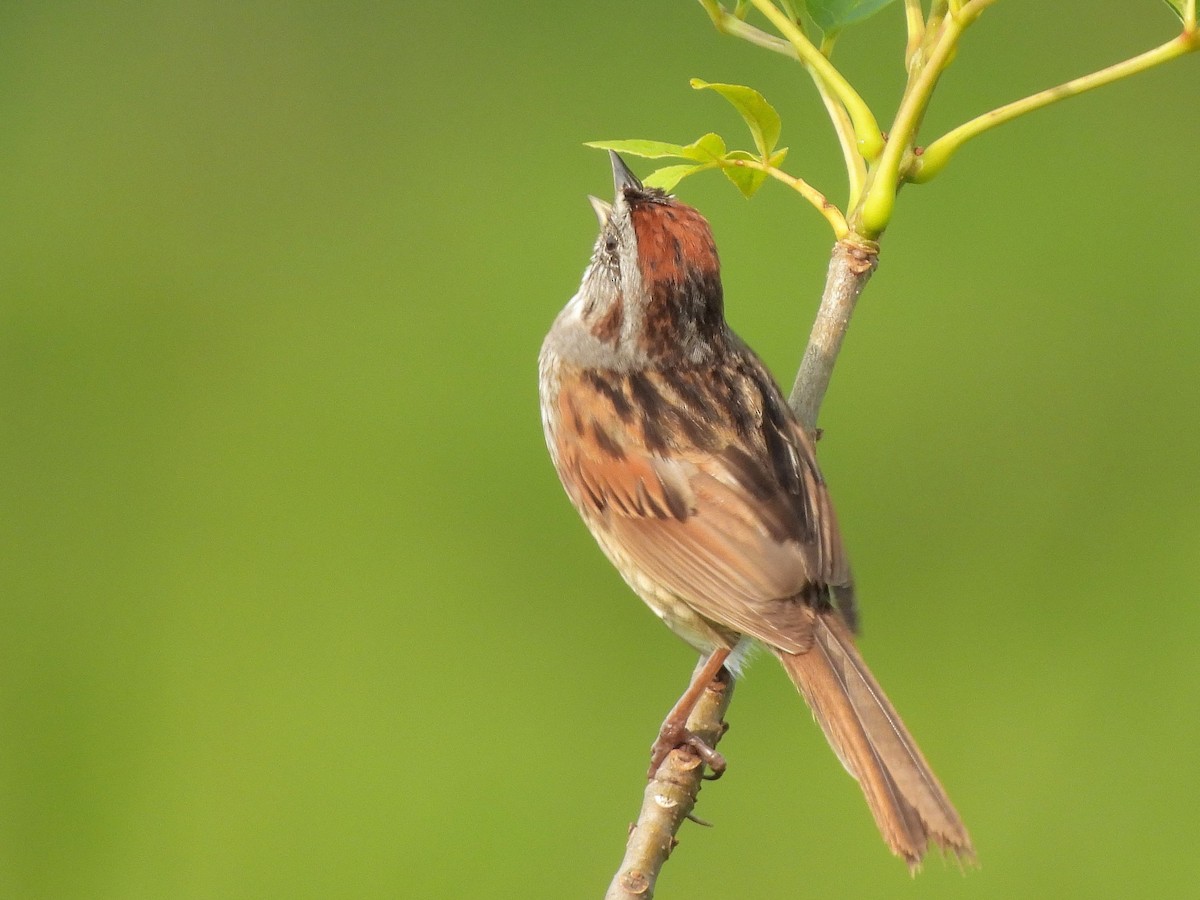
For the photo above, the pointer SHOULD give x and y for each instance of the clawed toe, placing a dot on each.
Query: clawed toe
(714, 760)
(674, 736)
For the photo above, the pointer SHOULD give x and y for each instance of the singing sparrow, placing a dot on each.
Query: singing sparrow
(682, 456)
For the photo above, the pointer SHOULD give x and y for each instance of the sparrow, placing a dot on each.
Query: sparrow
(684, 460)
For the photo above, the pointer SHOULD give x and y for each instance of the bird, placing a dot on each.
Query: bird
(682, 456)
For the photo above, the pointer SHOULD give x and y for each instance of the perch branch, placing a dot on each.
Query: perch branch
(849, 270)
(669, 799)
(937, 154)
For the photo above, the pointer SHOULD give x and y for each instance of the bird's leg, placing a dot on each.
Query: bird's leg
(674, 732)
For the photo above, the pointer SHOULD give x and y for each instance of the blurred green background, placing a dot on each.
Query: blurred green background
(291, 603)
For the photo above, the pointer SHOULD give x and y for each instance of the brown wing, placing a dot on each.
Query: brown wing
(709, 486)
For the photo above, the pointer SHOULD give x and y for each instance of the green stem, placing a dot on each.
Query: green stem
(914, 20)
(868, 137)
(937, 154)
(880, 198)
(832, 214)
(938, 10)
(856, 167)
(735, 27)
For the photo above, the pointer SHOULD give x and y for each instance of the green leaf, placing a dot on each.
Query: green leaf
(646, 149)
(748, 181)
(668, 176)
(758, 113)
(832, 16)
(705, 149)
(1176, 5)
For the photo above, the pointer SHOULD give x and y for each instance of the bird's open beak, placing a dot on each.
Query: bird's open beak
(603, 209)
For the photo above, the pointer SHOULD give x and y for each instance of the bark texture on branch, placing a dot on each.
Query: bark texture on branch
(669, 799)
(850, 268)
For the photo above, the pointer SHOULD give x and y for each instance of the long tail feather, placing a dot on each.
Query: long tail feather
(909, 804)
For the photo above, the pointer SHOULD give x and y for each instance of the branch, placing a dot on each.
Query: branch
(732, 25)
(937, 154)
(671, 795)
(669, 799)
(880, 197)
(849, 270)
(832, 214)
(914, 20)
(856, 166)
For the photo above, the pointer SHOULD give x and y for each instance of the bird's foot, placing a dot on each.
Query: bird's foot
(673, 736)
